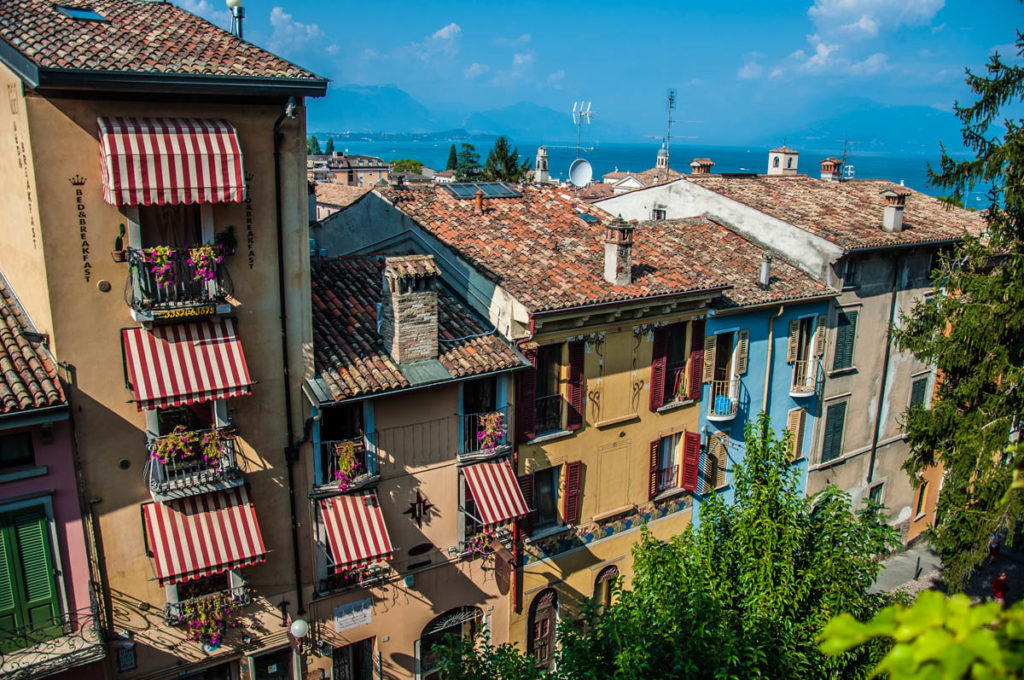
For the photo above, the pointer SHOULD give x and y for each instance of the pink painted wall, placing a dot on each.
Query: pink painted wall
(60, 479)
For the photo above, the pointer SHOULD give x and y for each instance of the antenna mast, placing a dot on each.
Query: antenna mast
(580, 114)
(671, 105)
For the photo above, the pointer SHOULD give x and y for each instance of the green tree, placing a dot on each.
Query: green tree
(313, 146)
(938, 637)
(329, 149)
(745, 595)
(468, 166)
(406, 165)
(453, 159)
(972, 330)
(503, 163)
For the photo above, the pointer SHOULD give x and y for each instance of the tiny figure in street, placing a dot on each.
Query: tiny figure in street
(993, 547)
(1000, 588)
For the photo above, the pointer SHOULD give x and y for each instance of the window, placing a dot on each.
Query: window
(920, 499)
(603, 586)
(462, 623)
(541, 628)
(668, 462)
(677, 352)
(801, 351)
(876, 493)
(482, 420)
(548, 416)
(835, 419)
(28, 593)
(192, 417)
(919, 392)
(789, 162)
(775, 161)
(850, 274)
(724, 361)
(16, 450)
(81, 13)
(659, 214)
(846, 335)
(545, 490)
(342, 439)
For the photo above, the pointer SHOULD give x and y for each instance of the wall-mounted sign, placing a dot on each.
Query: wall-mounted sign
(352, 615)
(207, 310)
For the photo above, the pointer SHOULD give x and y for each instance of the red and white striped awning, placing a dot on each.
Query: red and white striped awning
(185, 363)
(496, 492)
(202, 535)
(158, 161)
(356, 533)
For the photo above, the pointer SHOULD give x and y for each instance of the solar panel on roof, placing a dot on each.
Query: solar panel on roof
(86, 13)
(462, 190)
(489, 189)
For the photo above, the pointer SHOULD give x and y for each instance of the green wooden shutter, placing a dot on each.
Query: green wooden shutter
(9, 611)
(36, 564)
(846, 334)
(835, 418)
(917, 391)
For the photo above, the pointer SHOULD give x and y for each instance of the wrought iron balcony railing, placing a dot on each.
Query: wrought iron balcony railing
(805, 378)
(178, 466)
(365, 577)
(485, 434)
(185, 285)
(483, 542)
(175, 612)
(348, 464)
(50, 646)
(668, 478)
(723, 402)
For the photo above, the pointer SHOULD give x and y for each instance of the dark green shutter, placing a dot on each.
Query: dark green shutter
(28, 591)
(8, 606)
(835, 418)
(917, 391)
(846, 334)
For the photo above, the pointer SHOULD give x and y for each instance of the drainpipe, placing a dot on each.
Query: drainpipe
(517, 604)
(885, 368)
(768, 362)
(291, 450)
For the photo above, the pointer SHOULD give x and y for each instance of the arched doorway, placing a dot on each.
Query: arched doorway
(542, 622)
(603, 586)
(461, 622)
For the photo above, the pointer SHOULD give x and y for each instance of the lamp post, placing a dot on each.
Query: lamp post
(298, 632)
(237, 14)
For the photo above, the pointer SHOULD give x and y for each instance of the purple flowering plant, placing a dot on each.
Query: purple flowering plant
(204, 259)
(491, 431)
(348, 464)
(207, 618)
(161, 261)
(183, 445)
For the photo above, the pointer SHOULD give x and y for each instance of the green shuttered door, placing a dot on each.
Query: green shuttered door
(28, 593)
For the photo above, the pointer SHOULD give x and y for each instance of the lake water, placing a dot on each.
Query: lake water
(636, 157)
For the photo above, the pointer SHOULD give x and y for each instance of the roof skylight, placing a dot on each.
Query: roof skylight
(81, 13)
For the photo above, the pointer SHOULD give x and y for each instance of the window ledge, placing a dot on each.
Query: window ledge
(618, 420)
(920, 517)
(546, 532)
(670, 493)
(837, 372)
(550, 436)
(613, 513)
(22, 473)
(674, 405)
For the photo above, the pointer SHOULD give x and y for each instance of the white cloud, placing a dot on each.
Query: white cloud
(866, 25)
(519, 71)
(207, 10)
(866, 17)
(475, 70)
(444, 42)
(819, 61)
(522, 58)
(449, 32)
(876, 63)
(555, 79)
(524, 39)
(332, 49)
(289, 34)
(750, 70)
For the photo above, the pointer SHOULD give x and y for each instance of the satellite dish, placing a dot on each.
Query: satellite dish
(581, 172)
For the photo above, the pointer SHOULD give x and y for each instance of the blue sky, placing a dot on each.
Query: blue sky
(736, 66)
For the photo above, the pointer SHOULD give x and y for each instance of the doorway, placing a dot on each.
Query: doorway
(276, 665)
(353, 662)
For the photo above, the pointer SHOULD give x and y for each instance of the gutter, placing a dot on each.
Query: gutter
(35, 416)
(92, 80)
(903, 246)
(612, 303)
(517, 534)
(768, 363)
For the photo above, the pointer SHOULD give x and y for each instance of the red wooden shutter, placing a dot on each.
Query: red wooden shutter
(526, 486)
(574, 420)
(527, 399)
(658, 359)
(696, 359)
(652, 488)
(573, 477)
(691, 460)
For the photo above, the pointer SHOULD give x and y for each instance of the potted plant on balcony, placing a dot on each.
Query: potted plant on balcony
(161, 261)
(207, 618)
(178, 446)
(348, 464)
(204, 260)
(491, 431)
(117, 254)
(481, 543)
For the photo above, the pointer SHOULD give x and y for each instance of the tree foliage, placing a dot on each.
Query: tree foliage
(468, 166)
(938, 637)
(313, 146)
(329, 148)
(745, 595)
(406, 165)
(972, 329)
(453, 159)
(503, 163)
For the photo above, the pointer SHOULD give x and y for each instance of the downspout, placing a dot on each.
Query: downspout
(885, 369)
(768, 362)
(517, 604)
(291, 450)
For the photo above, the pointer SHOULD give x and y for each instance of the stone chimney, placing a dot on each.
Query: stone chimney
(832, 170)
(701, 166)
(408, 316)
(783, 161)
(618, 252)
(895, 200)
(540, 173)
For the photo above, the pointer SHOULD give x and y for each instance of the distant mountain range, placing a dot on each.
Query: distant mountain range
(388, 112)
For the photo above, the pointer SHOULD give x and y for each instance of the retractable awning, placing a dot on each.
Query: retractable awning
(496, 492)
(185, 363)
(356, 534)
(161, 161)
(202, 535)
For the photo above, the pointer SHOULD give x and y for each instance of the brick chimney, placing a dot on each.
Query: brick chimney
(832, 169)
(618, 252)
(895, 200)
(701, 166)
(408, 326)
(478, 202)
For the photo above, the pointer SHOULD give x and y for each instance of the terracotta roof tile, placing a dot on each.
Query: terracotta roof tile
(848, 214)
(415, 266)
(339, 195)
(347, 350)
(140, 37)
(29, 376)
(540, 250)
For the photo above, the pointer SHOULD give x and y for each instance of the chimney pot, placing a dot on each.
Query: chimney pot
(618, 252)
(892, 215)
(479, 201)
(701, 166)
(766, 271)
(408, 311)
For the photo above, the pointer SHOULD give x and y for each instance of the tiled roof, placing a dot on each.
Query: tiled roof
(539, 249)
(784, 149)
(339, 195)
(716, 248)
(29, 377)
(347, 350)
(849, 214)
(415, 266)
(596, 190)
(140, 37)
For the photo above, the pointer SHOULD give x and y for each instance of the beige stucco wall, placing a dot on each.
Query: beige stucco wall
(85, 334)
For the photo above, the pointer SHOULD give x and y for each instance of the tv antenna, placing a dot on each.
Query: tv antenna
(848, 170)
(670, 105)
(580, 114)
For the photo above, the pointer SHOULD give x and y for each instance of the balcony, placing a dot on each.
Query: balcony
(190, 462)
(805, 379)
(668, 478)
(348, 464)
(364, 577)
(484, 435)
(178, 283)
(722, 404)
(177, 613)
(483, 542)
(548, 414)
(50, 646)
